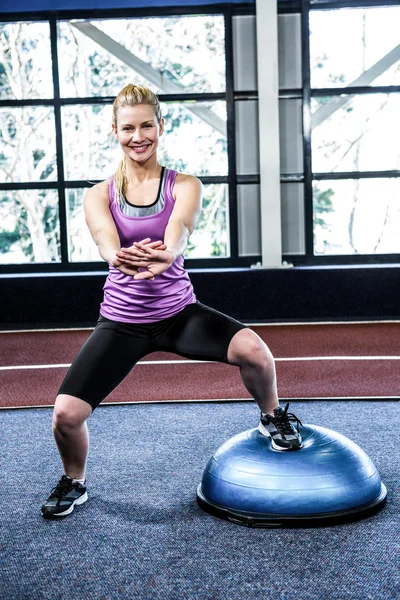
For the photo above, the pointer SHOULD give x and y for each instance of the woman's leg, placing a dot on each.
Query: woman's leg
(71, 434)
(257, 368)
(103, 362)
(201, 332)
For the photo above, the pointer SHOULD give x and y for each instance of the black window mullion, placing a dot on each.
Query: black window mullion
(307, 165)
(356, 90)
(59, 144)
(337, 175)
(231, 137)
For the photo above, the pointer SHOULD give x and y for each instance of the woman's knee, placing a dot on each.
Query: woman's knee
(246, 347)
(70, 412)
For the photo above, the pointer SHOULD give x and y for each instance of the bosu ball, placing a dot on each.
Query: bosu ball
(330, 480)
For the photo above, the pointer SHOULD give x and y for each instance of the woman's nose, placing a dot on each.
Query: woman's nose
(138, 136)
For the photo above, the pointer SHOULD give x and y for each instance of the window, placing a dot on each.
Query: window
(30, 224)
(357, 216)
(355, 155)
(366, 54)
(339, 99)
(171, 55)
(55, 127)
(26, 68)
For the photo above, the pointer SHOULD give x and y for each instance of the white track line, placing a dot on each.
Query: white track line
(283, 324)
(309, 358)
(217, 400)
(142, 362)
(312, 323)
(186, 362)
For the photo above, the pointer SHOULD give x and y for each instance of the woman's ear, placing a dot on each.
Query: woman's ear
(162, 123)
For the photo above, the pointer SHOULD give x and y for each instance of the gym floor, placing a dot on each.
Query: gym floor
(142, 535)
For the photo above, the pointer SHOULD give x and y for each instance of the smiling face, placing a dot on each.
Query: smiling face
(138, 131)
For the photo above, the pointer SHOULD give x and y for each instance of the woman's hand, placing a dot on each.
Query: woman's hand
(129, 260)
(153, 258)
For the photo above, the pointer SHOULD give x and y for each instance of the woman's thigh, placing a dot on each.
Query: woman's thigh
(201, 333)
(106, 358)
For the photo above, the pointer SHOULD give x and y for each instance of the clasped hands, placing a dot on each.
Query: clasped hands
(144, 260)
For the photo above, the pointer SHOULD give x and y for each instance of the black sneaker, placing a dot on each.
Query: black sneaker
(63, 498)
(280, 429)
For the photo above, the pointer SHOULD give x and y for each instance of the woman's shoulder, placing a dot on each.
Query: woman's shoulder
(185, 178)
(99, 190)
(184, 182)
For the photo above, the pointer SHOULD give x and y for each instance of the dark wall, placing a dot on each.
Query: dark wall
(299, 294)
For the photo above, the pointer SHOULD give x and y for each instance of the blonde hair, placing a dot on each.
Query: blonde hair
(131, 95)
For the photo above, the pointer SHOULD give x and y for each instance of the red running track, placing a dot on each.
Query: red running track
(375, 373)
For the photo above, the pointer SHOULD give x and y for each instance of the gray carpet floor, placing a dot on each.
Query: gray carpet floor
(142, 536)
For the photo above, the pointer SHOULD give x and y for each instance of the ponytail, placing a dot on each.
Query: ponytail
(120, 181)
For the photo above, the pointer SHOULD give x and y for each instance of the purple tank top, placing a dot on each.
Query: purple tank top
(129, 300)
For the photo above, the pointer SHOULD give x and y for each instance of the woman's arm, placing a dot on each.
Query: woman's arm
(184, 217)
(104, 232)
(100, 222)
(182, 222)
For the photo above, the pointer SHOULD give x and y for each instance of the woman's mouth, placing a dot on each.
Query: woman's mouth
(140, 149)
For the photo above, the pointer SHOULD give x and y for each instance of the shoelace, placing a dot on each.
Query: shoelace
(284, 422)
(62, 488)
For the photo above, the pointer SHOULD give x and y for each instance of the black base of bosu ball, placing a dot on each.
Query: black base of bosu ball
(329, 481)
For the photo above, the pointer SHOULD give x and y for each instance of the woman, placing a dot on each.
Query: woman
(141, 220)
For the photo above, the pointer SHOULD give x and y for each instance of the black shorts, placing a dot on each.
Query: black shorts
(197, 332)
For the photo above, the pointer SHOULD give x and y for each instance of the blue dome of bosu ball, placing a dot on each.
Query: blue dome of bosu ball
(330, 480)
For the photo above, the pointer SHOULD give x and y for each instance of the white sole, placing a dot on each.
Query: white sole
(266, 433)
(69, 510)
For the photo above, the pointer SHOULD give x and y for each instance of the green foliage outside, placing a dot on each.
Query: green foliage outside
(322, 206)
